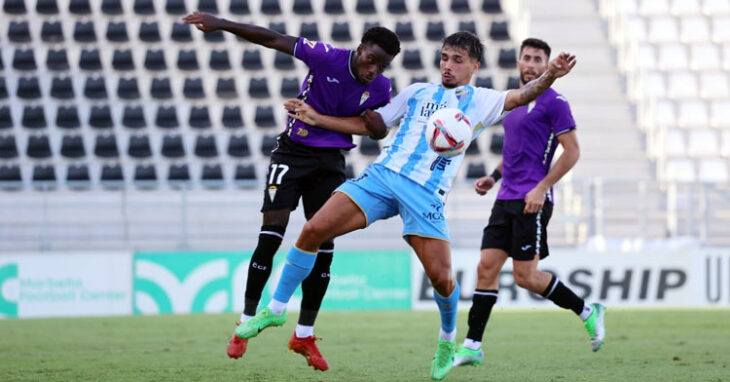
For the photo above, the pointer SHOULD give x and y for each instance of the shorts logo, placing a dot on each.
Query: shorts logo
(302, 132)
(272, 193)
(435, 214)
(525, 248)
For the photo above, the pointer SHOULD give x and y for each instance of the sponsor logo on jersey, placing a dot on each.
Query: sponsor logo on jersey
(364, 97)
(431, 107)
(440, 163)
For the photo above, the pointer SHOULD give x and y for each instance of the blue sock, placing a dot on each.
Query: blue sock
(447, 308)
(297, 267)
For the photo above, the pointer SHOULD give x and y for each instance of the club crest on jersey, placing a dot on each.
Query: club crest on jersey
(272, 193)
(364, 97)
(463, 92)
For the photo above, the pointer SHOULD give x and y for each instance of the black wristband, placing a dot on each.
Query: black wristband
(496, 175)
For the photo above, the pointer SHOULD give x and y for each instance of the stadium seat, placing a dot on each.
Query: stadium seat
(636, 29)
(3, 88)
(57, 60)
(496, 143)
(278, 27)
(226, 88)
(6, 120)
(10, 178)
(155, 60)
(252, 60)
(232, 117)
(713, 170)
(166, 117)
(237, 146)
(105, 146)
(67, 117)
(209, 6)
(193, 88)
(175, 7)
(19, 32)
(468, 26)
(499, 31)
(369, 146)
(33, 117)
(692, 113)
(333, 7)
(199, 117)
(302, 7)
(84, 32)
(663, 29)
(149, 31)
(397, 7)
(714, 85)
(77, 176)
(215, 36)
(309, 31)
(178, 175)
(507, 58)
(404, 30)
(100, 117)
(460, 6)
(181, 32)
(270, 7)
(268, 142)
(117, 32)
(144, 7)
(133, 117)
(8, 148)
(24, 59)
(412, 59)
(127, 89)
(28, 88)
(14, 7)
(219, 60)
(112, 7)
(664, 113)
(682, 85)
(245, 176)
(46, 7)
(79, 7)
(258, 88)
(341, 32)
(694, 29)
(475, 170)
(653, 7)
(714, 7)
(72, 146)
(428, 6)
(290, 87)
(416, 79)
(160, 88)
(39, 147)
(145, 176)
(139, 147)
(122, 60)
(720, 28)
(212, 176)
(90, 60)
(264, 117)
(513, 82)
(365, 7)
(705, 56)
(187, 60)
(44, 176)
(672, 56)
(112, 176)
(491, 6)
(239, 7)
(674, 143)
(369, 24)
(703, 143)
(52, 32)
(484, 82)
(205, 146)
(283, 61)
(435, 31)
(720, 114)
(172, 146)
(95, 88)
(473, 149)
(725, 145)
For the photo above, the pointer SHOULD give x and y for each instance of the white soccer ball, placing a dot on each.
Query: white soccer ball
(448, 132)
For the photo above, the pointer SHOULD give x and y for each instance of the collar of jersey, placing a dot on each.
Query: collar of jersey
(349, 67)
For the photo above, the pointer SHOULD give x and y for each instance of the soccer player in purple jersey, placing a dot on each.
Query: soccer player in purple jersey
(518, 224)
(307, 162)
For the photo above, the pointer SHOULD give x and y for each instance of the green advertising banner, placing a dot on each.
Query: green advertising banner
(213, 282)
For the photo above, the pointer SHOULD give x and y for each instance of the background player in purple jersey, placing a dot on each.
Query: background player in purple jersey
(518, 224)
(307, 162)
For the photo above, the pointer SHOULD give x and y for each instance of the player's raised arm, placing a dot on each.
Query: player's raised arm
(255, 34)
(557, 68)
(370, 123)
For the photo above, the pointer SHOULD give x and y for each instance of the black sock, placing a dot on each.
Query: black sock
(315, 285)
(563, 297)
(481, 307)
(260, 266)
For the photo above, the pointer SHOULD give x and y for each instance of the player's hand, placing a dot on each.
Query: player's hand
(203, 21)
(561, 65)
(534, 200)
(302, 111)
(484, 184)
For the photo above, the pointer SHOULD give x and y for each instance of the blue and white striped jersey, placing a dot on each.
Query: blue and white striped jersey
(407, 151)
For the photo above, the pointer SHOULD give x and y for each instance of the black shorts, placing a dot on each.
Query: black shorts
(521, 235)
(295, 171)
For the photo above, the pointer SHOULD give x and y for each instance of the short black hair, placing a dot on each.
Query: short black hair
(384, 38)
(468, 41)
(537, 44)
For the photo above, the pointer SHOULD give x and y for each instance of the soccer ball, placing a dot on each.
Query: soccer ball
(448, 132)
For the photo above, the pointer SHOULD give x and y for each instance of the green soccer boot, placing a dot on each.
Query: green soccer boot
(595, 326)
(262, 320)
(443, 360)
(466, 356)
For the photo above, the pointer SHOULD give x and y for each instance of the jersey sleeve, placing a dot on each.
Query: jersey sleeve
(394, 111)
(312, 53)
(561, 118)
(491, 102)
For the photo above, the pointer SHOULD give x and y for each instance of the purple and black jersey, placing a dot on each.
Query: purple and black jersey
(530, 140)
(331, 89)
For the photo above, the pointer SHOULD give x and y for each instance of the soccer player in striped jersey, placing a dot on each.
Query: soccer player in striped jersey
(518, 224)
(407, 179)
(307, 161)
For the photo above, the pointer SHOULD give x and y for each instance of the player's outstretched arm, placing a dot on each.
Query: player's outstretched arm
(255, 34)
(571, 152)
(558, 67)
(370, 124)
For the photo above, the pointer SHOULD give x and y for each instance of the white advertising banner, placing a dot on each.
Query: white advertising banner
(65, 284)
(686, 278)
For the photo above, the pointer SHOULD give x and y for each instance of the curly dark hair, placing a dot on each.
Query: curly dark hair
(537, 44)
(468, 41)
(384, 38)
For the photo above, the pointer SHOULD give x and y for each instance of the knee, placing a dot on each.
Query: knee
(313, 234)
(487, 271)
(441, 282)
(523, 277)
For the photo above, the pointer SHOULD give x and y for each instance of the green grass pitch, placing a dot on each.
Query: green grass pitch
(534, 345)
